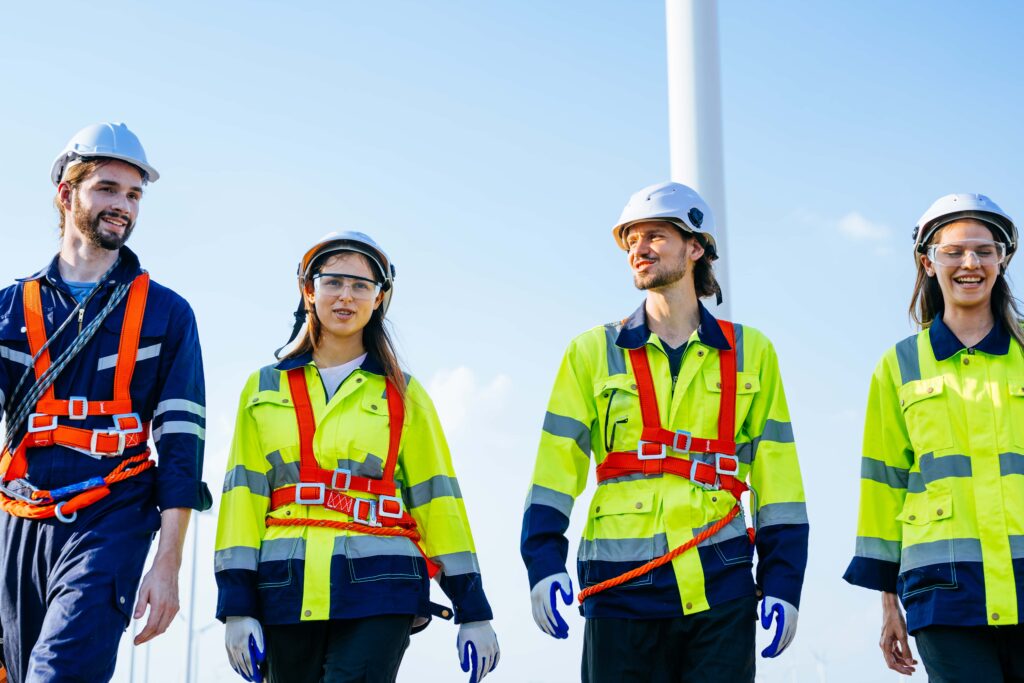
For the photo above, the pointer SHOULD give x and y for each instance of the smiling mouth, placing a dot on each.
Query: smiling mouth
(114, 221)
(968, 280)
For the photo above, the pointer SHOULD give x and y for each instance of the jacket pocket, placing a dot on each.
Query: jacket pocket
(1015, 389)
(928, 555)
(383, 568)
(618, 410)
(748, 384)
(926, 414)
(621, 536)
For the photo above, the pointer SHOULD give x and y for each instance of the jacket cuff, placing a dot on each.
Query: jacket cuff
(183, 493)
(236, 594)
(868, 572)
(466, 592)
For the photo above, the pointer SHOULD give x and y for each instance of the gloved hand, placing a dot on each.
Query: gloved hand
(243, 638)
(545, 610)
(785, 616)
(478, 649)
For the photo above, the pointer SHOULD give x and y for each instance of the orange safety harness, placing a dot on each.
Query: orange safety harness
(44, 429)
(385, 516)
(651, 455)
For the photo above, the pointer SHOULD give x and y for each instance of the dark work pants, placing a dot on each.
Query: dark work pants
(366, 650)
(68, 590)
(966, 654)
(712, 647)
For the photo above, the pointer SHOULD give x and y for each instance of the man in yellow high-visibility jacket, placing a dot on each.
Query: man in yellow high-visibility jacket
(681, 411)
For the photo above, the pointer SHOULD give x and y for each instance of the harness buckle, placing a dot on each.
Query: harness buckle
(348, 479)
(371, 512)
(732, 469)
(318, 489)
(661, 454)
(707, 486)
(97, 433)
(124, 417)
(382, 508)
(32, 427)
(82, 405)
(675, 441)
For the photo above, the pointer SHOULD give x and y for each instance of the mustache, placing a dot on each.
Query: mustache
(114, 214)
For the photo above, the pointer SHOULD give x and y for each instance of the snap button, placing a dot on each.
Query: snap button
(700, 353)
(373, 406)
(308, 613)
(747, 385)
(718, 385)
(284, 400)
(714, 499)
(288, 513)
(639, 505)
(256, 399)
(24, 330)
(931, 390)
(912, 517)
(939, 511)
(632, 386)
(689, 605)
(995, 616)
(967, 361)
(605, 394)
(597, 509)
(902, 402)
(445, 613)
(121, 599)
(358, 380)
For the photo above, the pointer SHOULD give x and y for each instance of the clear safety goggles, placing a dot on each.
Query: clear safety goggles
(985, 252)
(334, 285)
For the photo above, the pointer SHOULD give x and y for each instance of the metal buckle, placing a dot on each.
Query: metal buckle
(371, 512)
(33, 427)
(734, 459)
(128, 416)
(675, 440)
(661, 455)
(78, 401)
(348, 479)
(319, 490)
(693, 476)
(58, 512)
(107, 432)
(382, 510)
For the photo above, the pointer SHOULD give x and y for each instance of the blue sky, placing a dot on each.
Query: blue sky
(490, 147)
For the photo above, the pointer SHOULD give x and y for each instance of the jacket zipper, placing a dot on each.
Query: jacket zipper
(81, 317)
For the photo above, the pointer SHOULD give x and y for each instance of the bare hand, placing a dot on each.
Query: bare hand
(894, 643)
(160, 592)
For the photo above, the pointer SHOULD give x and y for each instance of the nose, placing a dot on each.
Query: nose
(971, 260)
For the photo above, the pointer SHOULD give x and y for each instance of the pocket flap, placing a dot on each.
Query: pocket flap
(1016, 386)
(377, 405)
(927, 507)
(746, 382)
(272, 397)
(618, 382)
(919, 390)
(635, 503)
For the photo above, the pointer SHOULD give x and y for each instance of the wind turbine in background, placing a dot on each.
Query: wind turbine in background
(695, 113)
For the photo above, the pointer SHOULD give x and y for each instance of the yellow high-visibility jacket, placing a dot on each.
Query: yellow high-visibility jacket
(595, 408)
(285, 575)
(942, 480)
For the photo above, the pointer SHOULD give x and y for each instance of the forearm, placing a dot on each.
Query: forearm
(173, 526)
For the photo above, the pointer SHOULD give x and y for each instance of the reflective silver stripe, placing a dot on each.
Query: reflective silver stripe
(281, 473)
(1009, 463)
(15, 356)
(738, 329)
(454, 564)
(144, 353)
(908, 358)
(372, 546)
(256, 482)
(736, 528)
(746, 452)
(567, 427)
(933, 469)
(781, 513)
(438, 486)
(623, 549)
(176, 427)
(270, 378)
(629, 477)
(179, 404)
(940, 552)
(371, 468)
(237, 557)
(278, 549)
(1016, 547)
(541, 495)
(876, 470)
(877, 549)
(616, 357)
(779, 432)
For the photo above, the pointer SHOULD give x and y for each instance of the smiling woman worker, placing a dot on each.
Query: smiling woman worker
(340, 501)
(942, 493)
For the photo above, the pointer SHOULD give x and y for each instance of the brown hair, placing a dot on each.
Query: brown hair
(704, 281)
(376, 337)
(927, 302)
(74, 176)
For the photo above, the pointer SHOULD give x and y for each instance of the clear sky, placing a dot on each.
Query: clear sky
(490, 147)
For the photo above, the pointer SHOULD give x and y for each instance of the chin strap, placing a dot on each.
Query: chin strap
(300, 320)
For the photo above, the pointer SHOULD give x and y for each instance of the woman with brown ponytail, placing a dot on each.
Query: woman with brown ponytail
(340, 501)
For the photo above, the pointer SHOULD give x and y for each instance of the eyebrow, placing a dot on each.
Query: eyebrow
(111, 183)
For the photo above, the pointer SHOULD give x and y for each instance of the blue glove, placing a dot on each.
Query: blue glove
(478, 649)
(545, 604)
(785, 616)
(243, 638)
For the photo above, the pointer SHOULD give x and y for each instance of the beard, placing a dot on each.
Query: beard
(96, 235)
(646, 281)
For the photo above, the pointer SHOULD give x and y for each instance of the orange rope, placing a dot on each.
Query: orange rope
(663, 560)
(127, 469)
(411, 534)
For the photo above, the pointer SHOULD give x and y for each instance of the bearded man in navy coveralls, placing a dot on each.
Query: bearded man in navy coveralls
(69, 587)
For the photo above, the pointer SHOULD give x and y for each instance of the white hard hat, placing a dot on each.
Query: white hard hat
(106, 140)
(953, 207)
(361, 243)
(672, 202)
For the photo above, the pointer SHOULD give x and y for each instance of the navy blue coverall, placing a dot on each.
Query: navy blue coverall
(68, 589)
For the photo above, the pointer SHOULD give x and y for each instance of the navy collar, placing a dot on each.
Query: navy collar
(126, 269)
(369, 364)
(945, 344)
(635, 332)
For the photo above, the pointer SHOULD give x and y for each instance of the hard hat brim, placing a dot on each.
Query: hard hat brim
(63, 162)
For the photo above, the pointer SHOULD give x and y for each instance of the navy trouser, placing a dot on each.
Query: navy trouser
(714, 646)
(965, 654)
(68, 590)
(365, 650)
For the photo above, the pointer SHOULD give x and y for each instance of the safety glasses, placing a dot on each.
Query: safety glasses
(952, 254)
(334, 285)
